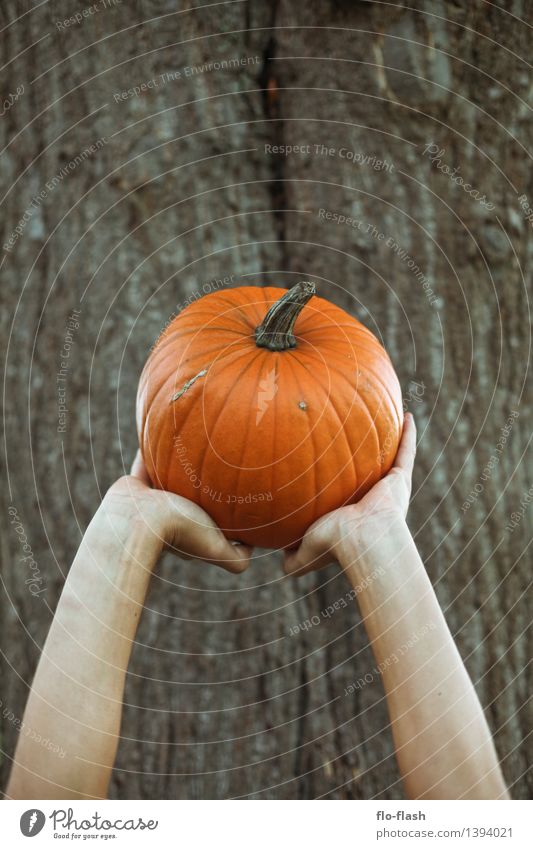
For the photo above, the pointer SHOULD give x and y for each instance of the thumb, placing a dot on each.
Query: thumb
(300, 561)
(243, 552)
(309, 557)
(215, 548)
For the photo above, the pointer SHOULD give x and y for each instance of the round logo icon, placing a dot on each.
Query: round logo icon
(32, 822)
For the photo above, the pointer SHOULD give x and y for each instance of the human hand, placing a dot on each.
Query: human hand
(384, 504)
(175, 522)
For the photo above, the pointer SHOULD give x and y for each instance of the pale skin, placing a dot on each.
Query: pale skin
(443, 744)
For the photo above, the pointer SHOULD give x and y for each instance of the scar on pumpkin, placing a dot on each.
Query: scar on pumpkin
(187, 385)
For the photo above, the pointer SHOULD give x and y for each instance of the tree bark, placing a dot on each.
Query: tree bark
(185, 186)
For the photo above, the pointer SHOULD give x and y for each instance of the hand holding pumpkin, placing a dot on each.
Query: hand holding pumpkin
(176, 523)
(387, 501)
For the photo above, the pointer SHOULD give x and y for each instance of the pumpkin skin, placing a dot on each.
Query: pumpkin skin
(267, 441)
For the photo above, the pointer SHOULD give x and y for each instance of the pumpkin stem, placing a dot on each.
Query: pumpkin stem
(276, 330)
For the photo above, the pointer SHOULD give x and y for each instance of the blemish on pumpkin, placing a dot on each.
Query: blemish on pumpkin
(187, 385)
(302, 405)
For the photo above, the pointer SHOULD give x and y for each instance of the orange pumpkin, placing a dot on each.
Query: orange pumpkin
(268, 408)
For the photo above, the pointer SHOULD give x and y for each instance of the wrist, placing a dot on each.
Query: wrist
(370, 543)
(127, 528)
(111, 572)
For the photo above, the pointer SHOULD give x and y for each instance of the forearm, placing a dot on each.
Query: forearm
(443, 744)
(77, 692)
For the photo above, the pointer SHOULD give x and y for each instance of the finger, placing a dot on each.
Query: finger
(236, 559)
(296, 569)
(405, 458)
(307, 558)
(138, 469)
(207, 542)
(294, 565)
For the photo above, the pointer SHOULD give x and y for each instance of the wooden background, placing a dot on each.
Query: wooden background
(221, 701)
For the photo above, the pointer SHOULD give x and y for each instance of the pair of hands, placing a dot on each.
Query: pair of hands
(182, 526)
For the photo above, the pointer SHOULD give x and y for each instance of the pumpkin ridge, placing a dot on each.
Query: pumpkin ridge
(329, 397)
(183, 332)
(273, 465)
(183, 422)
(372, 346)
(225, 400)
(380, 380)
(314, 451)
(156, 392)
(229, 351)
(333, 325)
(154, 445)
(366, 342)
(239, 472)
(174, 428)
(189, 356)
(296, 361)
(233, 351)
(234, 315)
(360, 395)
(363, 402)
(331, 313)
(388, 392)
